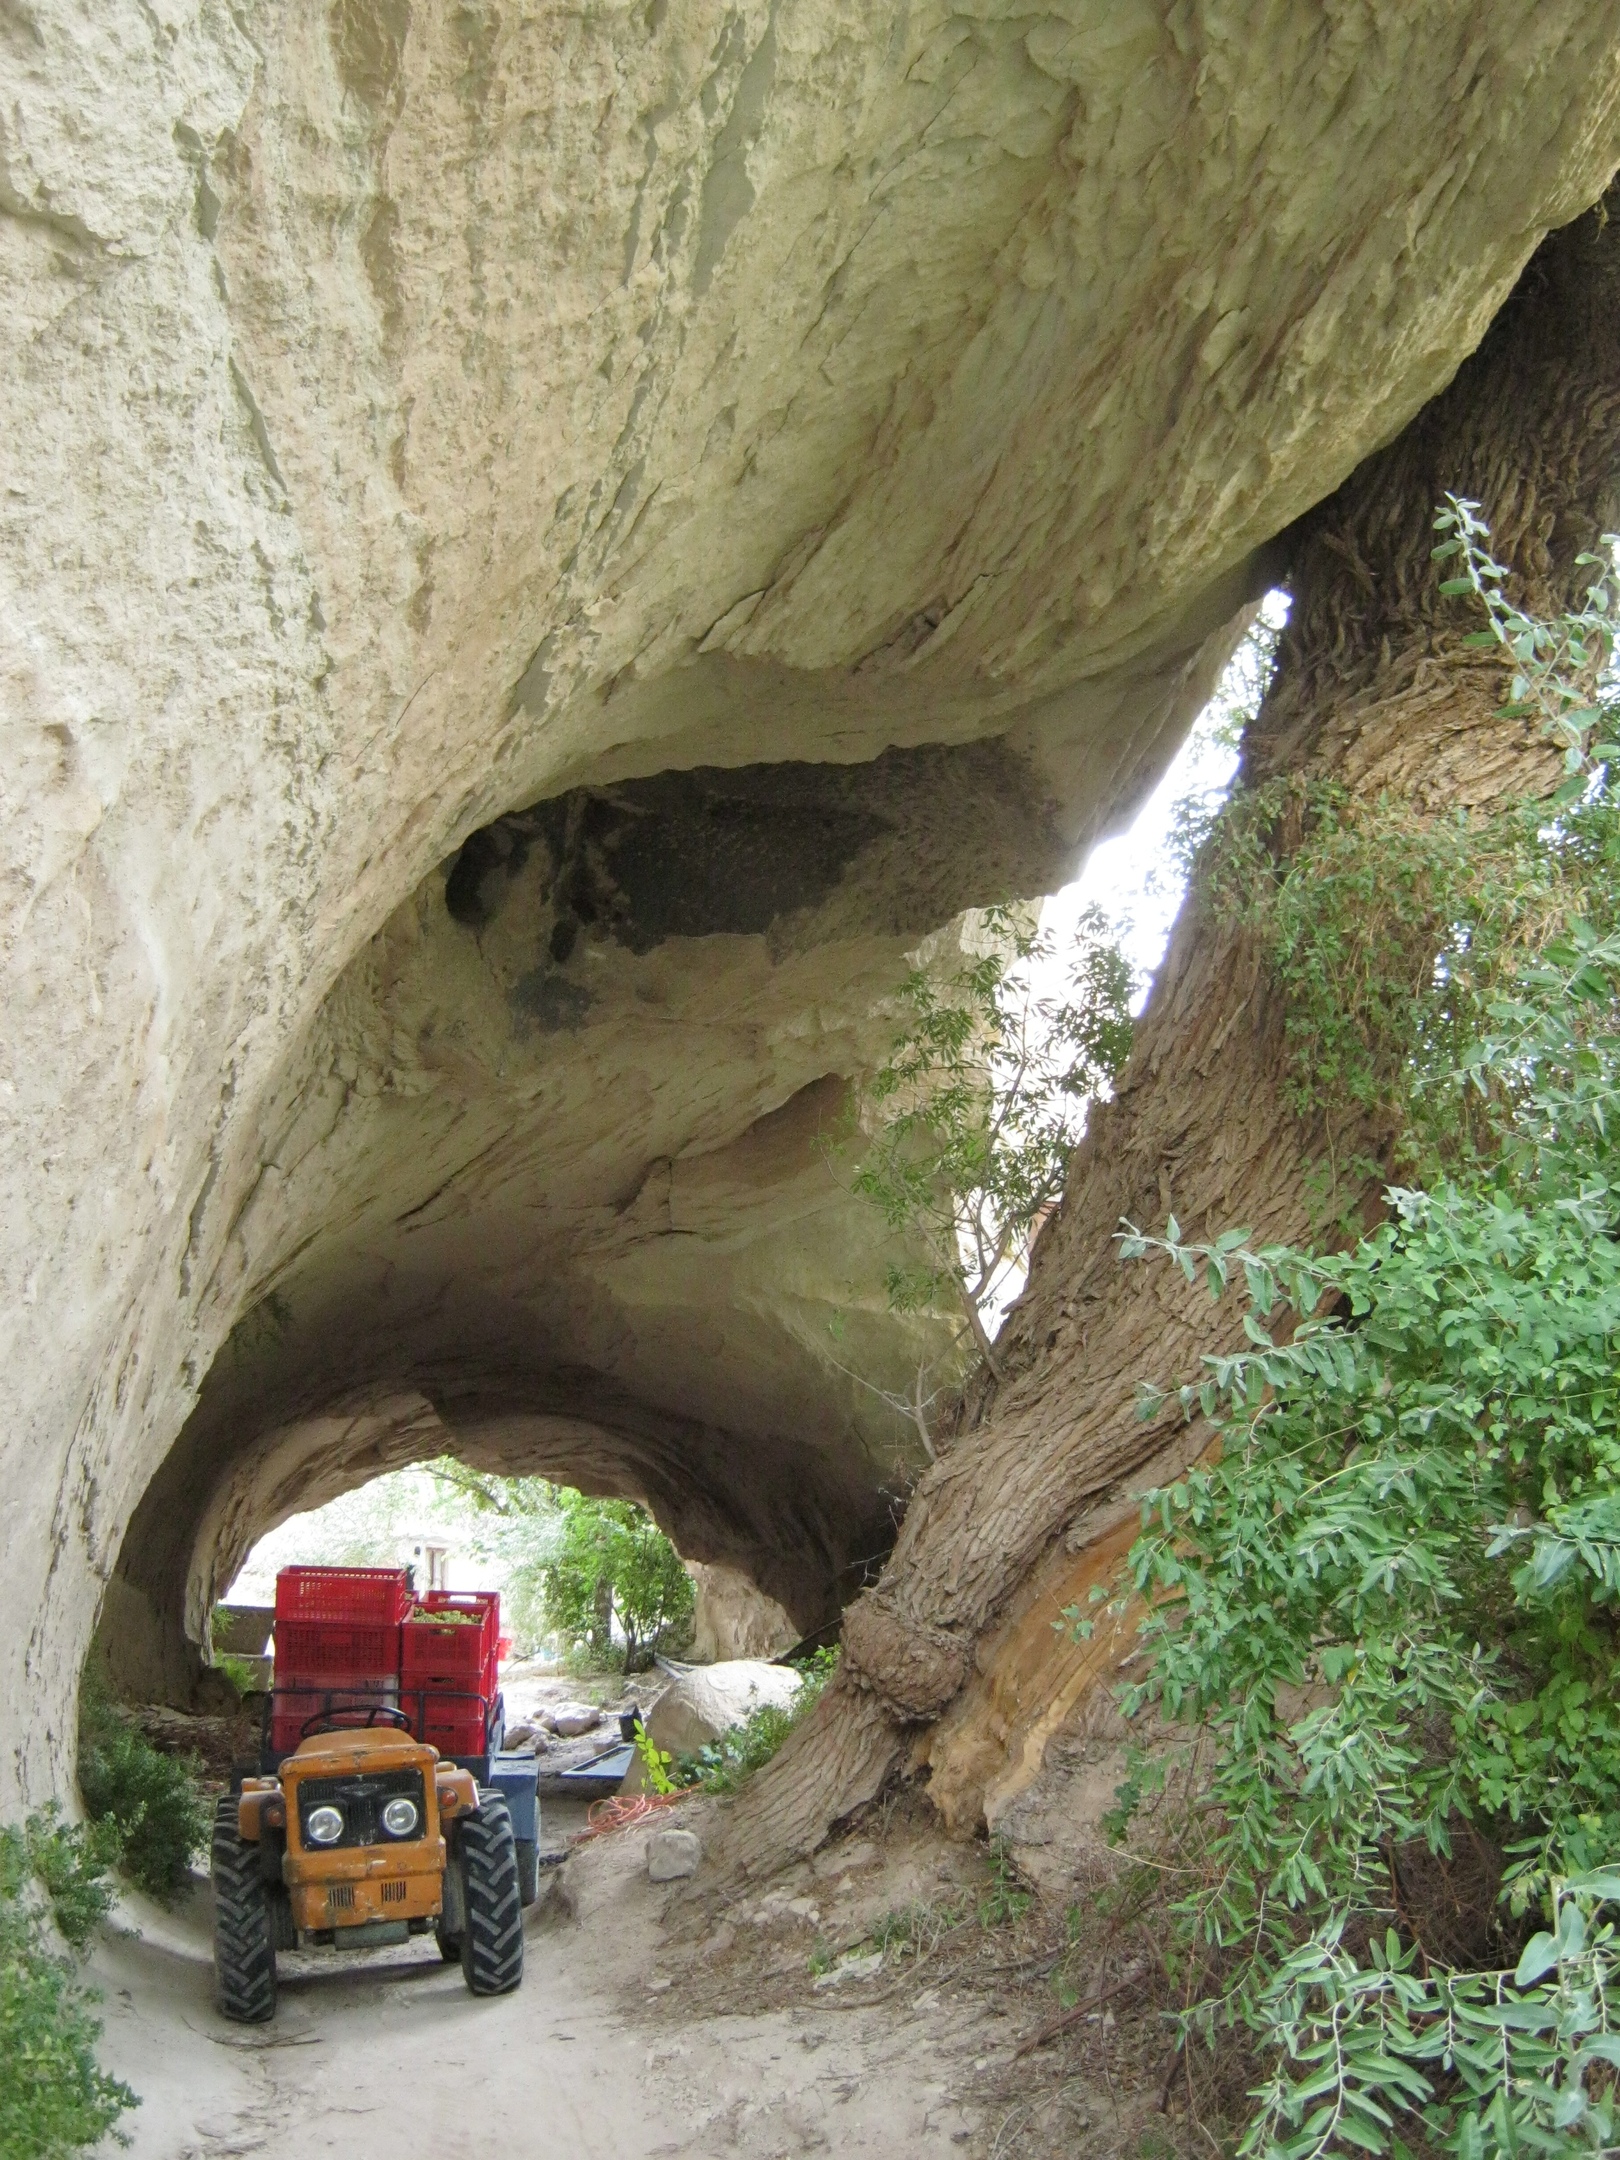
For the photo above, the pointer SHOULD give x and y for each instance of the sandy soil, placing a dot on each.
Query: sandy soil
(593, 2056)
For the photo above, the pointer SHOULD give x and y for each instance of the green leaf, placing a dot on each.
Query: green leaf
(1603, 1883)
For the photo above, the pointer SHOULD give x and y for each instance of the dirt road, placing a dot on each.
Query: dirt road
(589, 2060)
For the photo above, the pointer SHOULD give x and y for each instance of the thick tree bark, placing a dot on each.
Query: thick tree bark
(1375, 691)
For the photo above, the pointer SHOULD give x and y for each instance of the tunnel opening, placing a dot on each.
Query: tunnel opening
(589, 1586)
(552, 1187)
(792, 1535)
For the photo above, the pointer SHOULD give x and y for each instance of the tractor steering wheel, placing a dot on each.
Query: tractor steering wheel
(360, 1717)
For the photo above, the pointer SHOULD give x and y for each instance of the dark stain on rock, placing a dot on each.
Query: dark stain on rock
(368, 41)
(699, 854)
(549, 1001)
(742, 851)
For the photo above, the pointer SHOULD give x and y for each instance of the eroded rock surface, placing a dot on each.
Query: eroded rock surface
(543, 550)
(734, 1619)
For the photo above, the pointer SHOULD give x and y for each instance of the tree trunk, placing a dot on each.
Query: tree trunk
(1375, 691)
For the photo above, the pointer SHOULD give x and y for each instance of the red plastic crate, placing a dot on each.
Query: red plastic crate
(375, 1596)
(452, 1724)
(328, 1651)
(457, 1655)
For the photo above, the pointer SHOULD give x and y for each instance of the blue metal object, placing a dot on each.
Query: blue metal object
(596, 1779)
(517, 1778)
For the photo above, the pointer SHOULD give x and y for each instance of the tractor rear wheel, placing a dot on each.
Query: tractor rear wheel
(528, 1863)
(492, 1936)
(244, 1945)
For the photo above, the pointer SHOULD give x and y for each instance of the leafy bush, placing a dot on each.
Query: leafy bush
(607, 1561)
(726, 1764)
(244, 1675)
(580, 1568)
(657, 1763)
(69, 1862)
(1394, 1599)
(917, 1930)
(54, 2098)
(977, 1109)
(149, 1802)
(1005, 1898)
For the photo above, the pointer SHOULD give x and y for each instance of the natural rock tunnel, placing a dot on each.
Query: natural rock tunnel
(544, 551)
(530, 1229)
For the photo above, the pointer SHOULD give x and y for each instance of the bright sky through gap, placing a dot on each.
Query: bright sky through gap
(1138, 878)
(1135, 877)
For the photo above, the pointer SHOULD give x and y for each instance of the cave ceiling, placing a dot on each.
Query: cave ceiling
(544, 551)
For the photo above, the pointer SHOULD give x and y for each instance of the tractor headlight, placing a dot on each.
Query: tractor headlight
(400, 1817)
(324, 1825)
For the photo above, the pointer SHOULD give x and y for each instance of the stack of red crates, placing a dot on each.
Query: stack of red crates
(447, 1668)
(337, 1637)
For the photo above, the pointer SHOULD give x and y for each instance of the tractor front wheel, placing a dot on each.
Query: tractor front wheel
(492, 1932)
(244, 1943)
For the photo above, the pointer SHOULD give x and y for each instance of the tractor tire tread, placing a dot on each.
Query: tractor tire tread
(492, 1946)
(244, 1943)
(528, 1864)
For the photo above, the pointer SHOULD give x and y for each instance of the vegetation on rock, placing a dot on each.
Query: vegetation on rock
(1388, 1595)
(974, 1114)
(54, 2098)
(148, 1806)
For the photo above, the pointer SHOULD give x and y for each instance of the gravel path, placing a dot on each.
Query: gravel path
(382, 2052)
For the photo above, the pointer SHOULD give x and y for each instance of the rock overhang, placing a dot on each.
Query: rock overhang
(418, 418)
(567, 1161)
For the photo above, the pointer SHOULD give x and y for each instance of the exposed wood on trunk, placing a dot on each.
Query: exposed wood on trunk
(1375, 691)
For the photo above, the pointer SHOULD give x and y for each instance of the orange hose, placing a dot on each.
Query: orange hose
(619, 1814)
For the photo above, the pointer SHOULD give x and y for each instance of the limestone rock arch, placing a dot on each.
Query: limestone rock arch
(415, 417)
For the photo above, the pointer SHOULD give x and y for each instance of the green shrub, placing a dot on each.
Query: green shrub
(69, 1862)
(54, 2097)
(916, 1931)
(726, 1764)
(607, 1563)
(1389, 1603)
(149, 1802)
(243, 1674)
(1005, 1898)
(589, 1660)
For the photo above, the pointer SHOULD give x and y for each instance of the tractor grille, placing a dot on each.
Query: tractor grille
(340, 1897)
(360, 1800)
(393, 1893)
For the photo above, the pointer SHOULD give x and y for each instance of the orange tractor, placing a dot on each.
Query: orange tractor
(365, 1837)
(384, 1804)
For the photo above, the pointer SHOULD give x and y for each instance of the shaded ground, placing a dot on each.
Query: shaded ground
(590, 2054)
(1055, 2002)
(903, 1991)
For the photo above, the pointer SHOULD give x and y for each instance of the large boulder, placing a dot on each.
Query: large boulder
(703, 1701)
